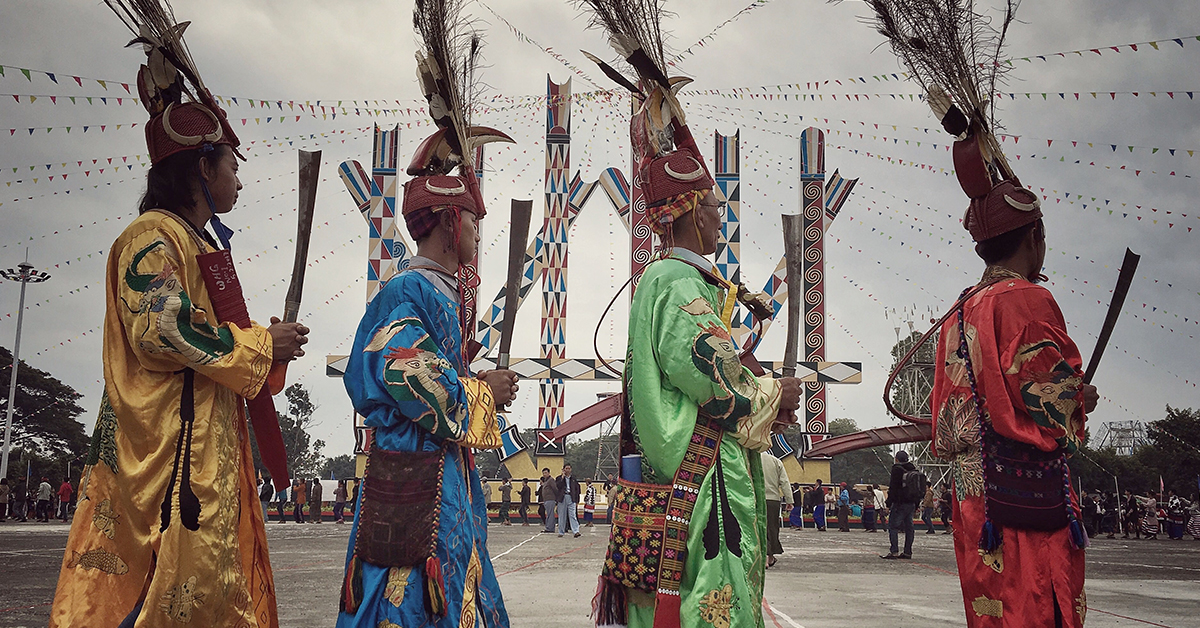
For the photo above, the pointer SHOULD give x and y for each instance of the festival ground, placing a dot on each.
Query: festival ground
(823, 580)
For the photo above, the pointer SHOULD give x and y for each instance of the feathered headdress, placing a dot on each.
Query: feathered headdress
(953, 51)
(446, 64)
(183, 113)
(669, 160)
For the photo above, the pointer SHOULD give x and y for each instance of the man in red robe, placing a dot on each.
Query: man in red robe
(1009, 407)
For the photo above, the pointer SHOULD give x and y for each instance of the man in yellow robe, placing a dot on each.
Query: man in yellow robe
(168, 529)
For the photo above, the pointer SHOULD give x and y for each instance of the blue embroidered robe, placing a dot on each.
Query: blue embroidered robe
(407, 377)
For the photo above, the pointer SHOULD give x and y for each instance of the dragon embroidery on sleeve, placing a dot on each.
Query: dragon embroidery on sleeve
(412, 373)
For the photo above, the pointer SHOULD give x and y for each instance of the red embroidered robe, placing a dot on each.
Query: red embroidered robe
(1028, 374)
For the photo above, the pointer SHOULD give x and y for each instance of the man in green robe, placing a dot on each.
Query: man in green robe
(683, 380)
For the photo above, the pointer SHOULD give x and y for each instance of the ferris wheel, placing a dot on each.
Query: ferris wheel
(910, 394)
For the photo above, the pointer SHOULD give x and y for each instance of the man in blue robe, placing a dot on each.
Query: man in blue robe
(408, 376)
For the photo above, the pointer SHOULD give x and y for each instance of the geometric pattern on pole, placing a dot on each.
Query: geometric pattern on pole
(388, 250)
(555, 230)
(812, 189)
(726, 169)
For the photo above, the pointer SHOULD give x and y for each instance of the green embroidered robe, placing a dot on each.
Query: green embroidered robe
(683, 365)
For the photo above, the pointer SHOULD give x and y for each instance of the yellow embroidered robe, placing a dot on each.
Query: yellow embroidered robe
(137, 534)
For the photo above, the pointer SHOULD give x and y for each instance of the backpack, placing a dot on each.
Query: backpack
(915, 484)
(267, 492)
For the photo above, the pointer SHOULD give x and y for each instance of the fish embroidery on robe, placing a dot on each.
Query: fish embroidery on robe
(98, 559)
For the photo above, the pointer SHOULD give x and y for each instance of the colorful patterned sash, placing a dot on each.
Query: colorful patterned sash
(647, 549)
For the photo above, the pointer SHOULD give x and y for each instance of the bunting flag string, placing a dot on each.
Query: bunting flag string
(99, 255)
(129, 167)
(285, 175)
(250, 148)
(1129, 308)
(744, 93)
(790, 118)
(334, 104)
(927, 228)
(956, 223)
(924, 166)
(942, 300)
(691, 50)
(1046, 57)
(529, 40)
(233, 121)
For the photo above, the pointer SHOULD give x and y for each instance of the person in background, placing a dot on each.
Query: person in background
(928, 503)
(801, 502)
(589, 504)
(299, 498)
(610, 490)
(281, 498)
(1089, 509)
(946, 509)
(1176, 515)
(831, 500)
(526, 499)
(817, 496)
(1129, 513)
(868, 509)
(1149, 506)
(843, 508)
(265, 492)
(1096, 515)
(44, 493)
(315, 501)
(505, 501)
(1108, 517)
(881, 509)
(4, 492)
(548, 495)
(1193, 524)
(568, 500)
(487, 500)
(778, 495)
(18, 501)
(339, 502)
(902, 507)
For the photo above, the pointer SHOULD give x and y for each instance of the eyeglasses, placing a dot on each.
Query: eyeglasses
(719, 206)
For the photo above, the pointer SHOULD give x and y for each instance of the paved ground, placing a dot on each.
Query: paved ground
(823, 580)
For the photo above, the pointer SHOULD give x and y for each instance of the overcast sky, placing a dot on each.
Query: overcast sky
(897, 247)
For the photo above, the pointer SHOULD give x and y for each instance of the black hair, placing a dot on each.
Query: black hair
(1003, 246)
(171, 183)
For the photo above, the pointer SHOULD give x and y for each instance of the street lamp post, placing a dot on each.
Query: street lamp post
(25, 274)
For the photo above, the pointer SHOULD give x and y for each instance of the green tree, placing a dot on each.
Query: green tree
(581, 456)
(46, 433)
(304, 454)
(1171, 454)
(340, 467)
(1177, 456)
(866, 466)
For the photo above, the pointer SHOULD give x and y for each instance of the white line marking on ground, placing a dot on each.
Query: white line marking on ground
(784, 616)
(516, 546)
(29, 552)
